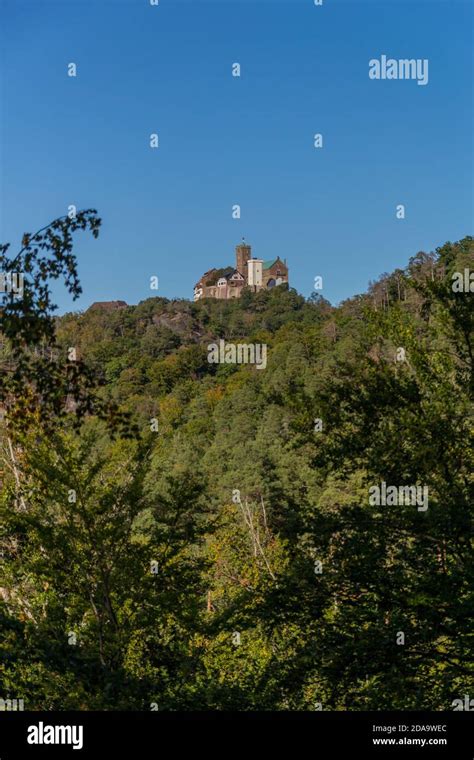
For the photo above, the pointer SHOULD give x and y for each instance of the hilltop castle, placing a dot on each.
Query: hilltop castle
(255, 274)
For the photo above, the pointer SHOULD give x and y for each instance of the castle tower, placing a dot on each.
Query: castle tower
(243, 253)
(255, 274)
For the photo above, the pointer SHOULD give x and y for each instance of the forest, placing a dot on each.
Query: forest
(180, 534)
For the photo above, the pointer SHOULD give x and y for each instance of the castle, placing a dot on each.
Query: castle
(249, 272)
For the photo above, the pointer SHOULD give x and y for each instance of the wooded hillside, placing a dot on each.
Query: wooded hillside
(219, 550)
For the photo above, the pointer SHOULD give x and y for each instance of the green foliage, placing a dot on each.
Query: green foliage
(278, 584)
(36, 381)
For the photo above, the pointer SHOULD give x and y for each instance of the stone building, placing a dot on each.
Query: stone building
(249, 272)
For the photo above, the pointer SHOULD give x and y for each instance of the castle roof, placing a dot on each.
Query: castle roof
(269, 264)
(229, 275)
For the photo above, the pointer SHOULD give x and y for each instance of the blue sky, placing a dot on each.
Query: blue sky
(224, 140)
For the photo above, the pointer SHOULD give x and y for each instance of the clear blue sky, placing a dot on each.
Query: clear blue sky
(224, 140)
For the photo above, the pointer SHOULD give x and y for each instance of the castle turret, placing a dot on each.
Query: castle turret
(254, 273)
(243, 253)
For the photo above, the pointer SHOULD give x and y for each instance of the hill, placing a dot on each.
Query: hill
(231, 553)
